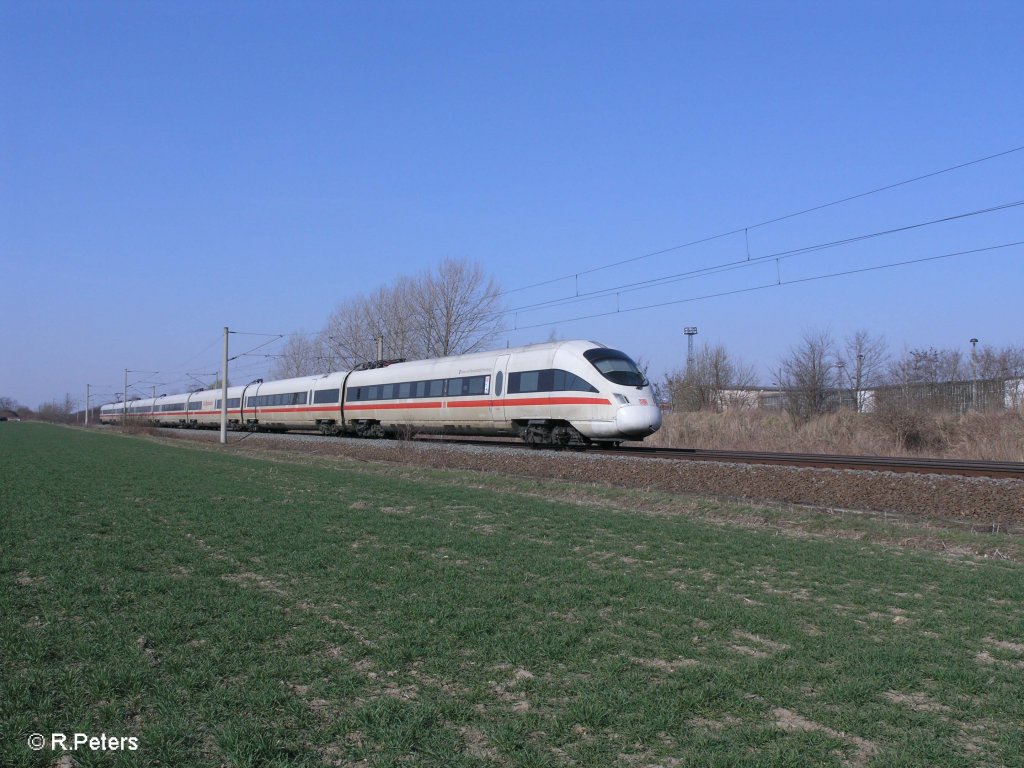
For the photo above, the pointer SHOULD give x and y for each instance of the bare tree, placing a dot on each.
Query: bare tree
(450, 311)
(299, 357)
(808, 374)
(345, 341)
(389, 313)
(59, 411)
(994, 363)
(711, 382)
(864, 359)
(928, 366)
(458, 309)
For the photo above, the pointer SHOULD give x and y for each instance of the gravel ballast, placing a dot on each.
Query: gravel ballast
(984, 501)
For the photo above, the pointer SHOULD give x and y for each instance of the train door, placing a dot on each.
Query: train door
(499, 383)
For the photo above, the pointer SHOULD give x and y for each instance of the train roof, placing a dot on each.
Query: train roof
(306, 382)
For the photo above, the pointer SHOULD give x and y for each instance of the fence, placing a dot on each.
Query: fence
(955, 397)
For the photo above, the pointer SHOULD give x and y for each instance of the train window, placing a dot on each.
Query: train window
(497, 383)
(616, 366)
(404, 390)
(326, 396)
(468, 385)
(547, 380)
(573, 383)
(283, 398)
(435, 388)
(523, 381)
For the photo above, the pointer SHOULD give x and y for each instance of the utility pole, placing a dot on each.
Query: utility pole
(87, 405)
(690, 333)
(380, 348)
(224, 393)
(124, 400)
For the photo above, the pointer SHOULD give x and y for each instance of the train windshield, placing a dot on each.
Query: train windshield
(617, 367)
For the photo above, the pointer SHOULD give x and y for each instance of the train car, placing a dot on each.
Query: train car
(110, 413)
(307, 402)
(559, 393)
(566, 393)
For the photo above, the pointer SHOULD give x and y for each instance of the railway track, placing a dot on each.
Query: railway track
(1005, 470)
(964, 468)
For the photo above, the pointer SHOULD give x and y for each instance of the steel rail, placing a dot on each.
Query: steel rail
(1005, 470)
(963, 467)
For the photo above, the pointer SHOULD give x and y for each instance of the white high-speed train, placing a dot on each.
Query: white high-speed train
(568, 393)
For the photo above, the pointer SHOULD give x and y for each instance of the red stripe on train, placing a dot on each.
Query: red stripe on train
(334, 408)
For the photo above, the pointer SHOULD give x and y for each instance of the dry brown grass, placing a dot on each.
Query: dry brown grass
(983, 436)
(138, 425)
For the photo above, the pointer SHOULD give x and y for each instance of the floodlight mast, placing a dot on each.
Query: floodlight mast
(224, 393)
(690, 333)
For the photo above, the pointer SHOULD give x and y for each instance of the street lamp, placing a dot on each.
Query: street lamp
(856, 394)
(974, 372)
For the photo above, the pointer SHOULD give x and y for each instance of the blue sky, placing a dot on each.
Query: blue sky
(167, 169)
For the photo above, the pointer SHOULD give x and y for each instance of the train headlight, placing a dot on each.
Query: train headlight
(623, 400)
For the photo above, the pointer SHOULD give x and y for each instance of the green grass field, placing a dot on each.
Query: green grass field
(245, 612)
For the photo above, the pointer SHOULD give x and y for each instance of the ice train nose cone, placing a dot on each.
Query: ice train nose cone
(638, 420)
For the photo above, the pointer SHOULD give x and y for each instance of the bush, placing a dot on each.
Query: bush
(912, 429)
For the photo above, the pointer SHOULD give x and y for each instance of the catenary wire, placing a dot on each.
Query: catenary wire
(743, 263)
(773, 284)
(765, 223)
